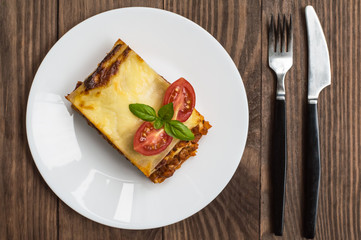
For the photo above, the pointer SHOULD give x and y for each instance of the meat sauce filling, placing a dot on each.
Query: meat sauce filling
(169, 165)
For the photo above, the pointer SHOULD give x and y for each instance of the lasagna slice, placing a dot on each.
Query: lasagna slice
(123, 78)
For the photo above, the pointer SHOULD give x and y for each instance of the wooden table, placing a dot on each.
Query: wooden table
(30, 210)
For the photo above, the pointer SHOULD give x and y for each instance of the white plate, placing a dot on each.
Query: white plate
(87, 173)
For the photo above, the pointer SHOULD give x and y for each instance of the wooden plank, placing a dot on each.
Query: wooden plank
(234, 214)
(340, 124)
(72, 13)
(339, 110)
(74, 226)
(71, 224)
(28, 209)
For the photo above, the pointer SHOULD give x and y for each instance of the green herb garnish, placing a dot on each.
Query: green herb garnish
(173, 128)
(176, 129)
(144, 112)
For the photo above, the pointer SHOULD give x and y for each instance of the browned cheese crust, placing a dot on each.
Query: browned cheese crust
(175, 158)
(102, 74)
(180, 152)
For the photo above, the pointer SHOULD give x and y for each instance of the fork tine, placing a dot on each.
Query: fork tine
(290, 36)
(271, 36)
(283, 34)
(278, 34)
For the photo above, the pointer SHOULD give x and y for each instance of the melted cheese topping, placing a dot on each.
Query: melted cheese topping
(107, 106)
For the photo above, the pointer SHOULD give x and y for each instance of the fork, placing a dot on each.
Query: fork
(280, 59)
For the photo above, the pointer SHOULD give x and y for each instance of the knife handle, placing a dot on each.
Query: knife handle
(312, 170)
(279, 161)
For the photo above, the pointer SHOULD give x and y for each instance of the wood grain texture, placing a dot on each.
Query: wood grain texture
(23, 46)
(30, 210)
(340, 128)
(339, 120)
(73, 12)
(71, 224)
(234, 214)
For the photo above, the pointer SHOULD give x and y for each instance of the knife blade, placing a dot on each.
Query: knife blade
(319, 77)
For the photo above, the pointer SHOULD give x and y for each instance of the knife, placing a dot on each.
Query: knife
(319, 77)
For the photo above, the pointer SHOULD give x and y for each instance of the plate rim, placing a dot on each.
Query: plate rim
(35, 154)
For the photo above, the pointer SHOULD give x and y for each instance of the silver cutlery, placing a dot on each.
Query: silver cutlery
(280, 59)
(319, 77)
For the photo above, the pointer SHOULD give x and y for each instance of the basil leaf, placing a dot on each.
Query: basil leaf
(168, 130)
(158, 123)
(176, 129)
(166, 112)
(144, 112)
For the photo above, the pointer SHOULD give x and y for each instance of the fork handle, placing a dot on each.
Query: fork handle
(279, 161)
(312, 171)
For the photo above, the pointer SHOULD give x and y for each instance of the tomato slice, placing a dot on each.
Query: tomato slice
(150, 141)
(181, 93)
